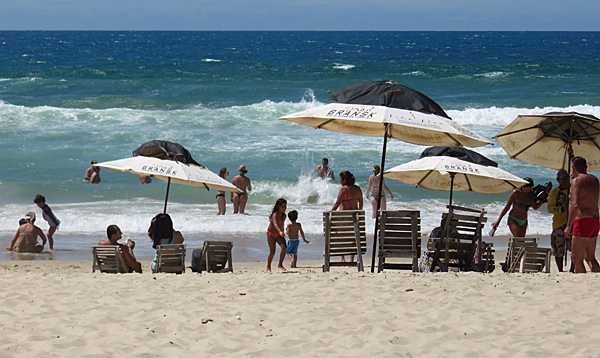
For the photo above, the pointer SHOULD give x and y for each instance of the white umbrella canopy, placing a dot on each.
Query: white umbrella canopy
(544, 139)
(405, 125)
(171, 171)
(452, 174)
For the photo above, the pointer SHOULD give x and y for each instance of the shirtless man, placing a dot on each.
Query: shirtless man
(89, 171)
(114, 234)
(25, 239)
(323, 171)
(583, 216)
(239, 200)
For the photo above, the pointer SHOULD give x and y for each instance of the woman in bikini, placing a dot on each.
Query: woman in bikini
(223, 173)
(374, 182)
(276, 233)
(350, 197)
(520, 200)
(25, 239)
(239, 200)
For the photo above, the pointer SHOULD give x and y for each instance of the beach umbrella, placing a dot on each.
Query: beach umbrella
(171, 171)
(545, 139)
(378, 121)
(452, 174)
(388, 94)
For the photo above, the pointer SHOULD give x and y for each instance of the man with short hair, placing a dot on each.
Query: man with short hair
(557, 205)
(114, 234)
(323, 171)
(583, 215)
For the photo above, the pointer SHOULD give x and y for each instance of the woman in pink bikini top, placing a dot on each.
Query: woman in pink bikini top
(350, 196)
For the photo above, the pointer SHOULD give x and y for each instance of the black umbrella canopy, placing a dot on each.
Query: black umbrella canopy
(460, 153)
(163, 149)
(389, 94)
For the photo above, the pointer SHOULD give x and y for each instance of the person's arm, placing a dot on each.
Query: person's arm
(537, 205)
(573, 206)
(93, 177)
(360, 199)
(509, 202)
(130, 259)
(14, 241)
(287, 230)
(331, 175)
(311, 171)
(386, 189)
(178, 238)
(339, 200)
(40, 233)
(302, 233)
(274, 223)
(249, 188)
(369, 186)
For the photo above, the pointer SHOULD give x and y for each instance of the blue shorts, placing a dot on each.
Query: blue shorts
(292, 246)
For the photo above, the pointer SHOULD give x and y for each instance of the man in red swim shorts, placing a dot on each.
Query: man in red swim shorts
(583, 216)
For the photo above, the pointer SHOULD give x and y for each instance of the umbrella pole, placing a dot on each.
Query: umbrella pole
(451, 186)
(385, 137)
(167, 197)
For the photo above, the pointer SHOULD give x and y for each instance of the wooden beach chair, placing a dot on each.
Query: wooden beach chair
(216, 257)
(514, 245)
(345, 234)
(170, 258)
(399, 237)
(109, 259)
(460, 235)
(488, 263)
(531, 259)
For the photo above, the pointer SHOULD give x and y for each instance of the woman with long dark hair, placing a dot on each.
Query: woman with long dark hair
(223, 173)
(161, 232)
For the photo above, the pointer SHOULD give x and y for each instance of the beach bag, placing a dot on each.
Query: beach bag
(196, 254)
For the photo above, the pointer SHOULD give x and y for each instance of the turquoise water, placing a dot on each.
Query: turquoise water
(69, 97)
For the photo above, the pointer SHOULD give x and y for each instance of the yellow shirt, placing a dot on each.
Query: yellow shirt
(556, 203)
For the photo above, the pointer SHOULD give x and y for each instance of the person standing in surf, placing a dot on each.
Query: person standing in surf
(374, 182)
(223, 173)
(239, 200)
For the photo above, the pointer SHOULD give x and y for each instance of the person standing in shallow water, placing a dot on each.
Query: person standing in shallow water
(323, 170)
(239, 200)
(374, 182)
(223, 173)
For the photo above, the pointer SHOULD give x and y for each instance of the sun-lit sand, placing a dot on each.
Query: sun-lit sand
(62, 309)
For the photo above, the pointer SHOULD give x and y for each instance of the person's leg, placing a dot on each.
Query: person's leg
(236, 203)
(221, 205)
(383, 202)
(271, 241)
(51, 231)
(374, 206)
(557, 251)
(515, 229)
(579, 247)
(37, 249)
(295, 261)
(281, 242)
(243, 201)
(590, 254)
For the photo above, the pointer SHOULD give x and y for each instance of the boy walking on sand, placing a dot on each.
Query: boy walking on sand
(48, 215)
(292, 231)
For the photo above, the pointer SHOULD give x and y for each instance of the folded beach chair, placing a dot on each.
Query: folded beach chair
(514, 245)
(109, 259)
(170, 258)
(399, 237)
(215, 257)
(488, 263)
(460, 235)
(345, 234)
(531, 259)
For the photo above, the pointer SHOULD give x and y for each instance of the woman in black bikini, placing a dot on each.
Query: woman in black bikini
(374, 182)
(520, 200)
(239, 200)
(350, 197)
(223, 173)
(276, 233)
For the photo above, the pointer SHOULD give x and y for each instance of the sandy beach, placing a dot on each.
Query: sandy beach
(62, 309)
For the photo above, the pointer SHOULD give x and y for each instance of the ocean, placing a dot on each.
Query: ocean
(67, 98)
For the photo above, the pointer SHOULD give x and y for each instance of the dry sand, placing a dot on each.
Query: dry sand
(62, 309)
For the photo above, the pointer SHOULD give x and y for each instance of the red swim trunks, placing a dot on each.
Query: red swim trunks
(586, 227)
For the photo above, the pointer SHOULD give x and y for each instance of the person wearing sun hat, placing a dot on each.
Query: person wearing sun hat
(239, 200)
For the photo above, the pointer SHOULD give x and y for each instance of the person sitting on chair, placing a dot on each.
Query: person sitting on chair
(161, 232)
(114, 234)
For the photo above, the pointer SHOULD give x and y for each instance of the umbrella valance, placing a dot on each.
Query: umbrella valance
(459, 153)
